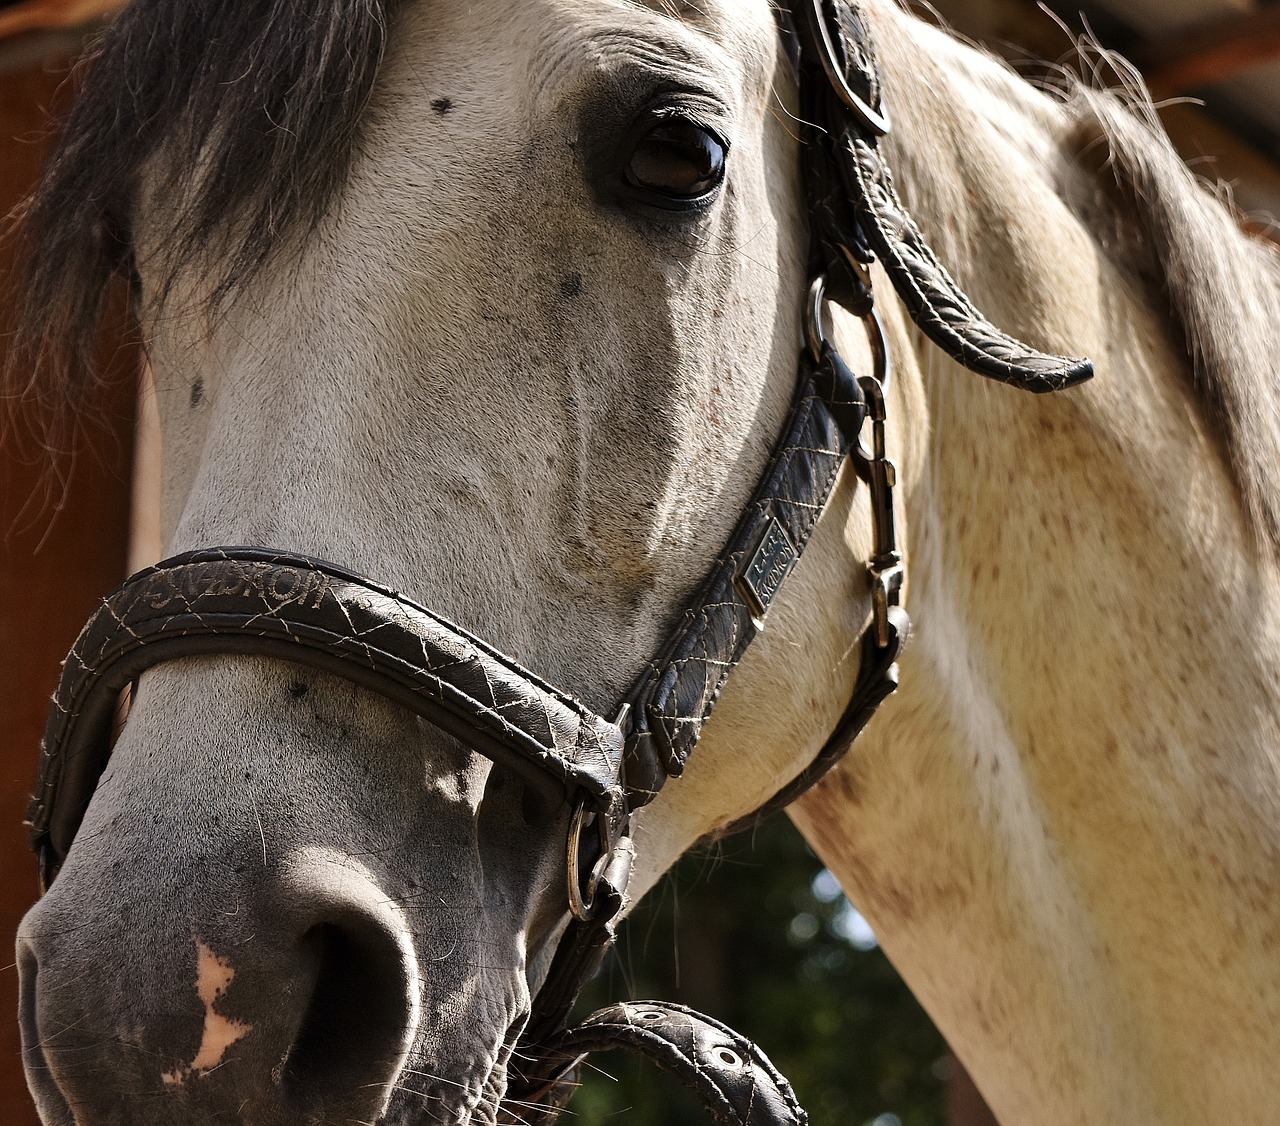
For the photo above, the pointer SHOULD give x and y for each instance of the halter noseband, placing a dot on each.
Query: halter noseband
(257, 601)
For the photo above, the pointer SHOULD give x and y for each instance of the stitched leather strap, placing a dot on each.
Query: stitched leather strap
(299, 609)
(673, 702)
(732, 1077)
(869, 220)
(931, 298)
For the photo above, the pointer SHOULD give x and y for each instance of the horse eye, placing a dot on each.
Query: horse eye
(679, 160)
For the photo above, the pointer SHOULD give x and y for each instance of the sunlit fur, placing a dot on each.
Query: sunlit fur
(482, 380)
(1065, 828)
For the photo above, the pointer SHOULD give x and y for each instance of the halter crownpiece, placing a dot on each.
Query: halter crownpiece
(853, 197)
(278, 604)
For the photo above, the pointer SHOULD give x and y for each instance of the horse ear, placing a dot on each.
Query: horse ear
(844, 99)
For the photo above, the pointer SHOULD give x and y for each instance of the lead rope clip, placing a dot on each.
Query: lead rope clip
(885, 568)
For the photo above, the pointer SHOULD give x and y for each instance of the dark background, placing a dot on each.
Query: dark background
(752, 932)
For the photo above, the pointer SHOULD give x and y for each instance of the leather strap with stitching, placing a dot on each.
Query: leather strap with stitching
(869, 219)
(931, 298)
(674, 700)
(734, 1080)
(277, 604)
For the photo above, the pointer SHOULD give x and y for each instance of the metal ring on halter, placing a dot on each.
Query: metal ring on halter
(816, 337)
(882, 368)
(584, 906)
(813, 333)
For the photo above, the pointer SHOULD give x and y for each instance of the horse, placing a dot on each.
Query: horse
(501, 304)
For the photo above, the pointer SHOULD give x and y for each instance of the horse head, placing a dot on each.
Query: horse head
(521, 355)
(501, 306)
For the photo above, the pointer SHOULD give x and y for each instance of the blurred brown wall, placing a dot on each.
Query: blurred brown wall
(61, 546)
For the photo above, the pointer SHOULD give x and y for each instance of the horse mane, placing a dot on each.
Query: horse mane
(242, 113)
(1222, 286)
(1172, 231)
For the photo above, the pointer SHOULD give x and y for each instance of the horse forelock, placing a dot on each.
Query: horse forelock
(245, 119)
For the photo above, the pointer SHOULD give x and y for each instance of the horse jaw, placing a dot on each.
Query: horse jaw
(524, 405)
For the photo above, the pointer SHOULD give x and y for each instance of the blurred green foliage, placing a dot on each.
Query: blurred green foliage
(752, 932)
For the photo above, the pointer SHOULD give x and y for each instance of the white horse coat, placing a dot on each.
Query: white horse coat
(486, 380)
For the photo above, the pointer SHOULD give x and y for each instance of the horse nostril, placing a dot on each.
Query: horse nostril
(352, 1033)
(301, 1007)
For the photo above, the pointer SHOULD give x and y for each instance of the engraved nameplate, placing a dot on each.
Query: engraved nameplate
(770, 563)
(269, 583)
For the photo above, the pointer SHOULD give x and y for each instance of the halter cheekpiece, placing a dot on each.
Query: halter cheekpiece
(278, 604)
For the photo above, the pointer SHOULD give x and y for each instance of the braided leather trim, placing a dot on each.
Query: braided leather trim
(304, 610)
(935, 303)
(674, 700)
(869, 219)
(733, 1078)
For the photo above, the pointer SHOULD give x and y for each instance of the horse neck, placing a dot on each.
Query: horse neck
(1065, 827)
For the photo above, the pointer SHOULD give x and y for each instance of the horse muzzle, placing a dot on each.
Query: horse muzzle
(217, 941)
(304, 1011)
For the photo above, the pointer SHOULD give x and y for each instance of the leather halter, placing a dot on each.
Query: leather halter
(257, 601)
